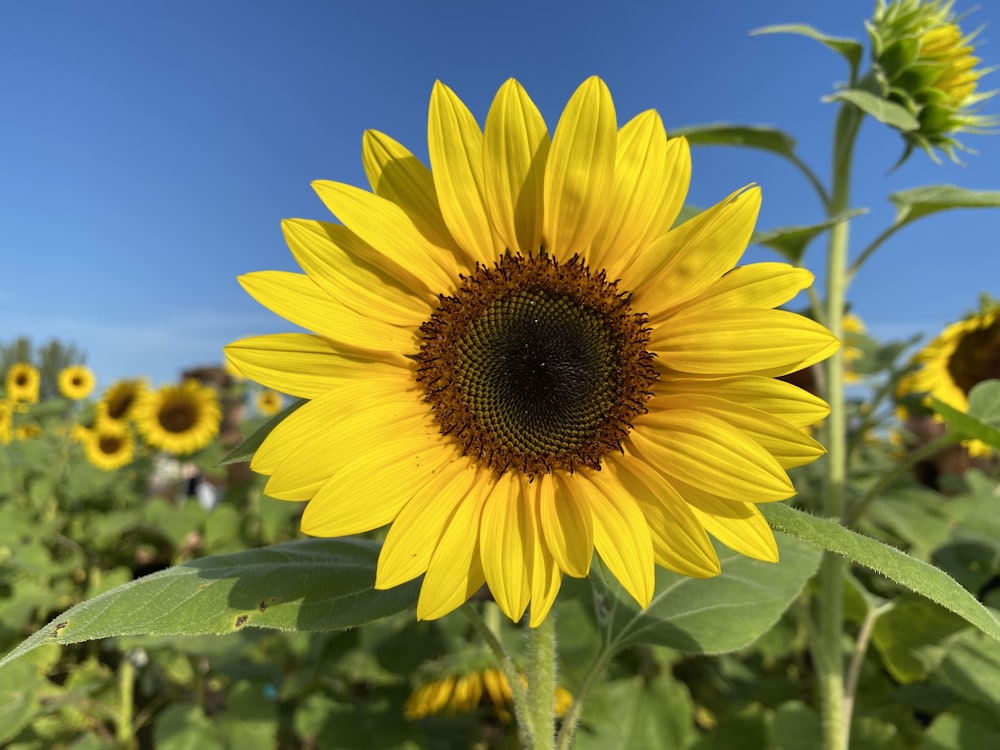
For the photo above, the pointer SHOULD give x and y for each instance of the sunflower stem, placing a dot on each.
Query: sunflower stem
(541, 674)
(829, 631)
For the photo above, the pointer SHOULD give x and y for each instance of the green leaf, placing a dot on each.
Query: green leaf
(897, 566)
(909, 637)
(792, 242)
(916, 203)
(245, 450)
(850, 49)
(305, 585)
(971, 668)
(964, 727)
(966, 424)
(881, 109)
(750, 136)
(795, 726)
(633, 714)
(713, 615)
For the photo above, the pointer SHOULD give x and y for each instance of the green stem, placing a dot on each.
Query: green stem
(860, 647)
(833, 568)
(572, 718)
(541, 674)
(126, 689)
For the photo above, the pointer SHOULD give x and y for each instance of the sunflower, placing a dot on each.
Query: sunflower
(517, 361)
(22, 383)
(453, 694)
(6, 421)
(118, 404)
(962, 356)
(179, 418)
(76, 382)
(269, 402)
(926, 64)
(106, 450)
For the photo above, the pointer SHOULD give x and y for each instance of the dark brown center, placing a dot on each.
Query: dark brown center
(976, 357)
(535, 365)
(178, 415)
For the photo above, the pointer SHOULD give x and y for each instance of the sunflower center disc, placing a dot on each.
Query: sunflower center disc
(536, 365)
(177, 417)
(976, 357)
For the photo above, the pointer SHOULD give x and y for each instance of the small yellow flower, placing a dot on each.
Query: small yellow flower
(269, 402)
(76, 382)
(928, 66)
(22, 383)
(179, 419)
(518, 361)
(6, 421)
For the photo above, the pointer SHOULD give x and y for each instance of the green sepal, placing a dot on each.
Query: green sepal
(850, 49)
(308, 585)
(245, 450)
(881, 109)
(792, 242)
(897, 566)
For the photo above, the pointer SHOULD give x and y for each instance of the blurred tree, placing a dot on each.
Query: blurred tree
(50, 360)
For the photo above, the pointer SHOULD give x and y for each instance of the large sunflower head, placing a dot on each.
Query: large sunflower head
(119, 403)
(179, 419)
(23, 382)
(517, 361)
(76, 382)
(928, 65)
(106, 449)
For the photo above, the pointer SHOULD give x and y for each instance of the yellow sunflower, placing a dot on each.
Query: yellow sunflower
(76, 382)
(269, 402)
(107, 450)
(964, 354)
(118, 404)
(6, 421)
(455, 694)
(22, 383)
(517, 362)
(179, 418)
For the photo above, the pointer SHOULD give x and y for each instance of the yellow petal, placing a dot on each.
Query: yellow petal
(566, 524)
(680, 543)
(790, 445)
(580, 170)
(502, 546)
(543, 571)
(739, 526)
(755, 285)
(455, 571)
(455, 144)
(776, 397)
(621, 533)
(319, 249)
(637, 190)
(301, 364)
(297, 298)
(414, 534)
(693, 256)
(370, 489)
(387, 228)
(699, 448)
(516, 144)
(398, 176)
(741, 341)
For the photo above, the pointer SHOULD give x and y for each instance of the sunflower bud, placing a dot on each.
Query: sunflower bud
(925, 63)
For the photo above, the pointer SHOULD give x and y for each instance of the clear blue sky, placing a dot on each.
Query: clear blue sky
(148, 150)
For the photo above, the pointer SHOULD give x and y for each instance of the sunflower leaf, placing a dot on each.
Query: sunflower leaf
(709, 616)
(792, 242)
(919, 202)
(912, 574)
(850, 49)
(881, 109)
(982, 421)
(727, 134)
(305, 585)
(245, 450)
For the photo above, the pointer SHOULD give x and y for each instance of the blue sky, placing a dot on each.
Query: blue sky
(148, 151)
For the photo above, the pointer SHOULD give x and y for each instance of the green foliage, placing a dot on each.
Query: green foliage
(49, 359)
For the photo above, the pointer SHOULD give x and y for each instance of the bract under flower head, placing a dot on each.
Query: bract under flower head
(928, 65)
(517, 361)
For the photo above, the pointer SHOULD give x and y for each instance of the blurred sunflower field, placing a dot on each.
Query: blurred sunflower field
(545, 463)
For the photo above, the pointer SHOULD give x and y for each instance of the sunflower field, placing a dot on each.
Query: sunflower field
(540, 461)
